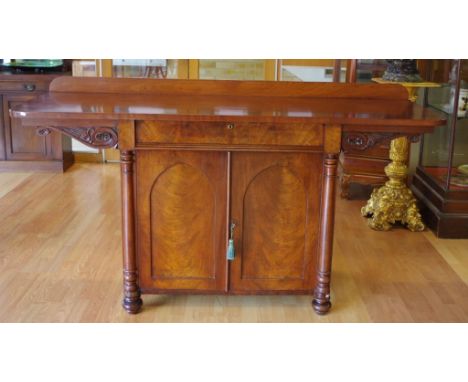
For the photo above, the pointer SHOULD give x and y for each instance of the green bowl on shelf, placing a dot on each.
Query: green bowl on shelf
(33, 63)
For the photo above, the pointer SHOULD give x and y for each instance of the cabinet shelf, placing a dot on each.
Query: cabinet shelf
(448, 109)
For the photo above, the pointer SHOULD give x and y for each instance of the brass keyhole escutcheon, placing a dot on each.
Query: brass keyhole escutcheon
(230, 126)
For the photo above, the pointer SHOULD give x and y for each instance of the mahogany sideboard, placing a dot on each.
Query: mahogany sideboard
(227, 186)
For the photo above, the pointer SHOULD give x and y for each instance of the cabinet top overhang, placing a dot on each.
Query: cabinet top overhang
(198, 100)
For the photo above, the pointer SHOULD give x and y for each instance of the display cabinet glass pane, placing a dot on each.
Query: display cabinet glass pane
(311, 70)
(460, 151)
(231, 70)
(445, 151)
(145, 68)
(84, 68)
(366, 69)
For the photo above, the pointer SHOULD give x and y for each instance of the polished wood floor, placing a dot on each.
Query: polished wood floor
(60, 261)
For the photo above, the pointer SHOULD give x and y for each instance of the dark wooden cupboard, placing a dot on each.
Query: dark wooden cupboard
(26, 148)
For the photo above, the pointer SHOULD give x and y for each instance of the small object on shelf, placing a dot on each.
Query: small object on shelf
(32, 63)
(402, 71)
(459, 180)
(16, 66)
(463, 169)
(463, 102)
(447, 108)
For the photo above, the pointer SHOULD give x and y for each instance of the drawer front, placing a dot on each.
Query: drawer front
(380, 151)
(351, 143)
(24, 86)
(358, 165)
(225, 133)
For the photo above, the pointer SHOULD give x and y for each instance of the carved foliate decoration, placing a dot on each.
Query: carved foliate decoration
(94, 136)
(362, 141)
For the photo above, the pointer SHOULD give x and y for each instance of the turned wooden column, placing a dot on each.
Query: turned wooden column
(321, 302)
(131, 301)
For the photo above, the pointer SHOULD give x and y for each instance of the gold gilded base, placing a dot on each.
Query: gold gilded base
(388, 205)
(394, 201)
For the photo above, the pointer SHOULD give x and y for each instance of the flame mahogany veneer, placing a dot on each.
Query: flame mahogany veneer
(199, 156)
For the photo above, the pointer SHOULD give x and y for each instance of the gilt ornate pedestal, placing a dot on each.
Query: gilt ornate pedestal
(394, 202)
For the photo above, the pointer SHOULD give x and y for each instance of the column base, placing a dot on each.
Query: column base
(132, 306)
(321, 306)
(321, 302)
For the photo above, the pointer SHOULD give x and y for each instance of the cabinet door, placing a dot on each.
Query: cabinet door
(22, 143)
(181, 220)
(275, 206)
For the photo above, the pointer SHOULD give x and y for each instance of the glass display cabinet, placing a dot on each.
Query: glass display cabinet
(441, 178)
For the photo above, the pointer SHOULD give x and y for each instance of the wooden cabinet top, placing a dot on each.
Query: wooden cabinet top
(365, 105)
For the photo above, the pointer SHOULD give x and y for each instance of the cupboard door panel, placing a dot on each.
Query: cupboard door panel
(23, 143)
(275, 205)
(181, 203)
(274, 225)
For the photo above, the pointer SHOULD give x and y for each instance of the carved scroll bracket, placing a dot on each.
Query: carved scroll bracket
(364, 141)
(93, 136)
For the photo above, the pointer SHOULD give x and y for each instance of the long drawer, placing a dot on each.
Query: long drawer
(225, 133)
(359, 165)
(24, 86)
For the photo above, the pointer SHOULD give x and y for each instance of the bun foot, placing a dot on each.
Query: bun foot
(321, 306)
(132, 306)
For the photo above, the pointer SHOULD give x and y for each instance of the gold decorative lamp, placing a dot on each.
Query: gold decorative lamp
(394, 201)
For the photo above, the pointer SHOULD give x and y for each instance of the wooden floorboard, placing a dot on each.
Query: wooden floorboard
(60, 261)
